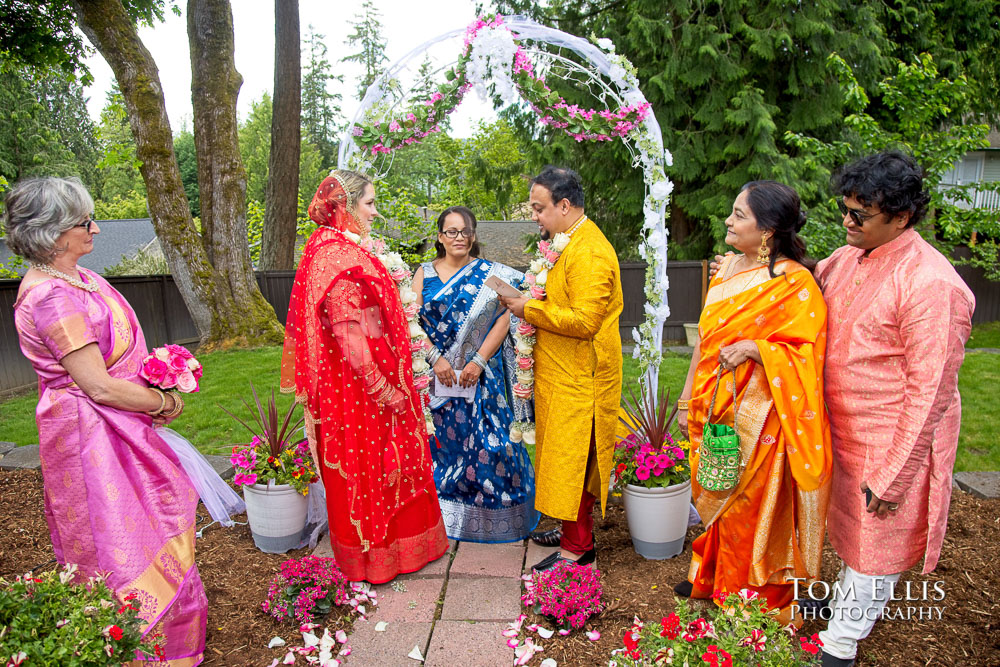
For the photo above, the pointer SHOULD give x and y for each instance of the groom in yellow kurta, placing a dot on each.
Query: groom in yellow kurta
(578, 364)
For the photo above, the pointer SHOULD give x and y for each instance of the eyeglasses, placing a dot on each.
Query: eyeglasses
(859, 217)
(453, 233)
(86, 223)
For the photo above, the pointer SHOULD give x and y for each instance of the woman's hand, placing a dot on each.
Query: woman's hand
(444, 372)
(398, 403)
(733, 355)
(682, 423)
(470, 374)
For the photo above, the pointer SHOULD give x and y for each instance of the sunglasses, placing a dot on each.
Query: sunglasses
(453, 233)
(88, 223)
(859, 217)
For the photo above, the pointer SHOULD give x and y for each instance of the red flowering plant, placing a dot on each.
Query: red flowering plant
(306, 589)
(741, 632)
(60, 618)
(270, 455)
(568, 594)
(649, 455)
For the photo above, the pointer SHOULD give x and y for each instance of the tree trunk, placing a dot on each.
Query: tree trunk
(223, 314)
(281, 199)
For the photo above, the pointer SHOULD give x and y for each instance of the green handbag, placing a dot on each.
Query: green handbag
(719, 456)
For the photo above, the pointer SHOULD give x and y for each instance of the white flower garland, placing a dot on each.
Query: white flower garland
(535, 277)
(420, 344)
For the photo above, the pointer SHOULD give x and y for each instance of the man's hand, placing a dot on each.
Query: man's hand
(713, 266)
(881, 508)
(515, 304)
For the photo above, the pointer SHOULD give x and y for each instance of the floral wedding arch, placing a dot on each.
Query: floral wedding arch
(510, 58)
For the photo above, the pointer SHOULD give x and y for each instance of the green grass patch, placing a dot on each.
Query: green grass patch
(986, 334)
(978, 448)
(225, 382)
(228, 375)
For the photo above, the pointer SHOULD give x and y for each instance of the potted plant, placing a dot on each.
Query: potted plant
(275, 475)
(61, 618)
(742, 631)
(653, 474)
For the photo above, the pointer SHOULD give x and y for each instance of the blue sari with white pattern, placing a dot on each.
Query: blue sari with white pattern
(486, 483)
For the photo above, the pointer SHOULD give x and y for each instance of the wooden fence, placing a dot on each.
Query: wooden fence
(165, 319)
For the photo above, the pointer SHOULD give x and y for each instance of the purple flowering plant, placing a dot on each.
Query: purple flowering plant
(649, 455)
(270, 455)
(568, 594)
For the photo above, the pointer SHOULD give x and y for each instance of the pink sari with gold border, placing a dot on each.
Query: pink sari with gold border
(116, 498)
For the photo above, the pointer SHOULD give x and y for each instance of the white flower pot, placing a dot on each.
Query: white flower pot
(277, 515)
(691, 331)
(657, 519)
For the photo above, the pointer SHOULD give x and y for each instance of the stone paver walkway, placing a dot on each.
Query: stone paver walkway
(452, 611)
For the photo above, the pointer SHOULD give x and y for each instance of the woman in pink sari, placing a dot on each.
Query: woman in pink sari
(117, 500)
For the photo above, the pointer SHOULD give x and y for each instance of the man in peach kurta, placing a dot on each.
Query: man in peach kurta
(578, 364)
(899, 316)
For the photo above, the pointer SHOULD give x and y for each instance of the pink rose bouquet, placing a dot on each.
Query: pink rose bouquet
(172, 367)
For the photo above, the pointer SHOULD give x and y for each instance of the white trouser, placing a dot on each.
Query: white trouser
(858, 600)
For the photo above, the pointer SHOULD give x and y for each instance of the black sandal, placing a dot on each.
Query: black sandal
(547, 538)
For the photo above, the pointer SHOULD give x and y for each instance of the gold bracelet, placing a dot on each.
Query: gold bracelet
(178, 406)
(682, 405)
(163, 402)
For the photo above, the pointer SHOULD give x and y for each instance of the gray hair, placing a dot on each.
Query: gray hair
(38, 210)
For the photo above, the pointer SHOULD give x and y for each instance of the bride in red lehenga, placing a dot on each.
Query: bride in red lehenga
(347, 358)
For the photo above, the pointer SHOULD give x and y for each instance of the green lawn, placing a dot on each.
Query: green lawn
(985, 335)
(228, 374)
(225, 382)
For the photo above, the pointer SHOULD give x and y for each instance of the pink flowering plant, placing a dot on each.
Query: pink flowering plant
(649, 455)
(738, 630)
(271, 456)
(568, 594)
(172, 367)
(307, 589)
(425, 116)
(60, 618)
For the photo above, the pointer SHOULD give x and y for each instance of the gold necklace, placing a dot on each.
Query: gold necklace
(75, 282)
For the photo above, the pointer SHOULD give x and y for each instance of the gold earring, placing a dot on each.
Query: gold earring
(764, 253)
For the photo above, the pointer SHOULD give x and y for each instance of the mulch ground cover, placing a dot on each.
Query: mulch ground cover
(236, 576)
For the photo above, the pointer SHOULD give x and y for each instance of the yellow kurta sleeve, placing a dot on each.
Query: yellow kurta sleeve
(590, 278)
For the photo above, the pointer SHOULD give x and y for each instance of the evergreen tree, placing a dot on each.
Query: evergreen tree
(368, 36)
(725, 81)
(32, 142)
(322, 118)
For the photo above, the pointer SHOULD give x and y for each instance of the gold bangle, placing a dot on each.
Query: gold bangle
(163, 402)
(682, 405)
(178, 406)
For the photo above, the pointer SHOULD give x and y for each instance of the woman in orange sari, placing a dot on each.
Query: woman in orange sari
(764, 320)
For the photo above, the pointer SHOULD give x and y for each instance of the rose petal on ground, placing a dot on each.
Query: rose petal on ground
(532, 628)
(525, 577)
(511, 632)
(545, 633)
(341, 636)
(564, 632)
(289, 659)
(381, 626)
(274, 663)
(512, 643)
(548, 662)
(310, 639)
(593, 635)
(275, 641)
(416, 654)
(346, 651)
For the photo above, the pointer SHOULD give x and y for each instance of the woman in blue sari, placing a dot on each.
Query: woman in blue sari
(485, 482)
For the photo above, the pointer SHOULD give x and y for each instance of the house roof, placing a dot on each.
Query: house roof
(118, 239)
(503, 241)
